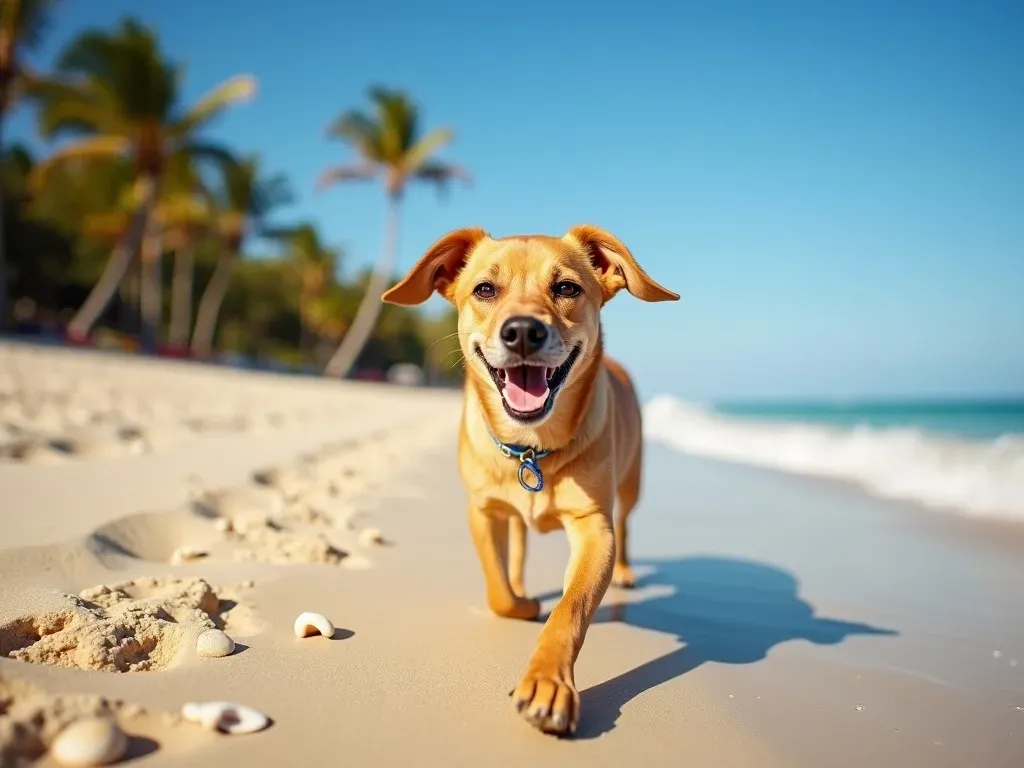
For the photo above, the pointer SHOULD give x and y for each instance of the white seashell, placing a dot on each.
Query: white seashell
(369, 536)
(89, 741)
(213, 644)
(309, 623)
(186, 554)
(225, 716)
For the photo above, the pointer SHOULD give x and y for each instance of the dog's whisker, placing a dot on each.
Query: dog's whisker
(445, 338)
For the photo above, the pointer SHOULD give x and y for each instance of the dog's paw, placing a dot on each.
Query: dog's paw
(520, 608)
(623, 576)
(547, 699)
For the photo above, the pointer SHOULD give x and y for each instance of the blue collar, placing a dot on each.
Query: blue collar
(527, 458)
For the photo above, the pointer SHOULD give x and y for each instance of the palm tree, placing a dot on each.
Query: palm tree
(120, 97)
(315, 266)
(246, 199)
(390, 148)
(22, 23)
(183, 213)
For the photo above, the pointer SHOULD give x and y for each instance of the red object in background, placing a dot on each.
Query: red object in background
(76, 339)
(172, 350)
(369, 375)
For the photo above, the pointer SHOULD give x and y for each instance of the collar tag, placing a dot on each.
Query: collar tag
(528, 465)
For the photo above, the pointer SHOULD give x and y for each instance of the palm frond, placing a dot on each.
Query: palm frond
(84, 149)
(398, 119)
(341, 173)
(442, 174)
(24, 22)
(72, 107)
(216, 155)
(271, 192)
(235, 90)
(129, 66)
(361, 132)
(420, 153)
(110, 225)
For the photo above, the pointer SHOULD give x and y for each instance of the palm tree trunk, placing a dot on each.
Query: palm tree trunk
(181, 294)
(151, 288)
(3, 231)
(362, 326)
(113, 273)
(210, 304)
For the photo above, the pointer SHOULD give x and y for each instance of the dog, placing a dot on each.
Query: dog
(550, 435)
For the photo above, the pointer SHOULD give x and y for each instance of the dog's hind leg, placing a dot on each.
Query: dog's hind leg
(628, 494)
(516, 554)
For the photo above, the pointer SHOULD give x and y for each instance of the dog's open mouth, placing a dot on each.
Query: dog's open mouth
(528, 391)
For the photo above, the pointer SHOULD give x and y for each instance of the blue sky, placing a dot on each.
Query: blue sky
(836, 189)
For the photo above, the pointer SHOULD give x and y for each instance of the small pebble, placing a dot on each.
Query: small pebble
(89, 741)
(213, 644)
(225, 716)
(859, 708)
(309, 623)
(369, 536)
(224, 525)
(996, 654)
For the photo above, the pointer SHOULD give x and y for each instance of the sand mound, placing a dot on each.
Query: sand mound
(269, 543)
(134, 626)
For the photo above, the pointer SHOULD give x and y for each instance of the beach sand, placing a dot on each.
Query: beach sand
(778, 621)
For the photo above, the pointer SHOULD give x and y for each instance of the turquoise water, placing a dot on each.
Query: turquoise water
(976, 420)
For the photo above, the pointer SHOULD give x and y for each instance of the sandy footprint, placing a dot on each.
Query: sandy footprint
(133, 626)
(270, 543)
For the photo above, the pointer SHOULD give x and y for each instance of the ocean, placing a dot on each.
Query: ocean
(964, 456)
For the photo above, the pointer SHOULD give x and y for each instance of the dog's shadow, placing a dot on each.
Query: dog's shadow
(724, 610)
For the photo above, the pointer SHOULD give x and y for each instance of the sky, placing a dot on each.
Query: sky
(835, 189)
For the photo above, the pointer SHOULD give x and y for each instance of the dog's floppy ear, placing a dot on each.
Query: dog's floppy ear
(616, 266)
(437, 269)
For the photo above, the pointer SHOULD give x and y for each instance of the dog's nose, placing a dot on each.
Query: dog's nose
(523, 335)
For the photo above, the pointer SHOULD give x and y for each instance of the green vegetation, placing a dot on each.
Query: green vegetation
(136, 230)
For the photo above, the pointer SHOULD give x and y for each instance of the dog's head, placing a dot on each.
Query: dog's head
(528, 306)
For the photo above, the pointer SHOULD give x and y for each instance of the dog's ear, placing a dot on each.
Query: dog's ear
(616, 266)
(437, 268)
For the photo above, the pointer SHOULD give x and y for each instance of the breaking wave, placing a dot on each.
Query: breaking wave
(983, 478)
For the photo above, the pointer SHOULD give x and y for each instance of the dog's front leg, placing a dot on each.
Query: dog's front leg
(546, 696)
(490, 534)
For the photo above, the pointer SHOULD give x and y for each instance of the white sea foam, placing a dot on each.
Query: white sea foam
(984, 478)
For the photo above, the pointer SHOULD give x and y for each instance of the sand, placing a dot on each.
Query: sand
(777, 622)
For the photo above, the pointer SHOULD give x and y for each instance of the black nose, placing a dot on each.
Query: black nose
(523, 335)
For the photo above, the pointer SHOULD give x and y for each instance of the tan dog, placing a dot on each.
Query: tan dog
(550, 433)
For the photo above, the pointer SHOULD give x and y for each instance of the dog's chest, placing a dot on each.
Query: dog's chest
(538, 512)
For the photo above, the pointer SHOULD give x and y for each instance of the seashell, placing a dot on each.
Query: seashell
(369, 536)
(224, 524)
(212, 644)
(89, 741)
(186, 554)
(309, 623)
(225, 716)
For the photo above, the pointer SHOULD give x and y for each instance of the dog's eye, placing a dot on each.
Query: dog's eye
(484, 291)
(567, 289)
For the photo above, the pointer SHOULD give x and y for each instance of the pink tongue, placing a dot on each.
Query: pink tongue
(526, 387)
